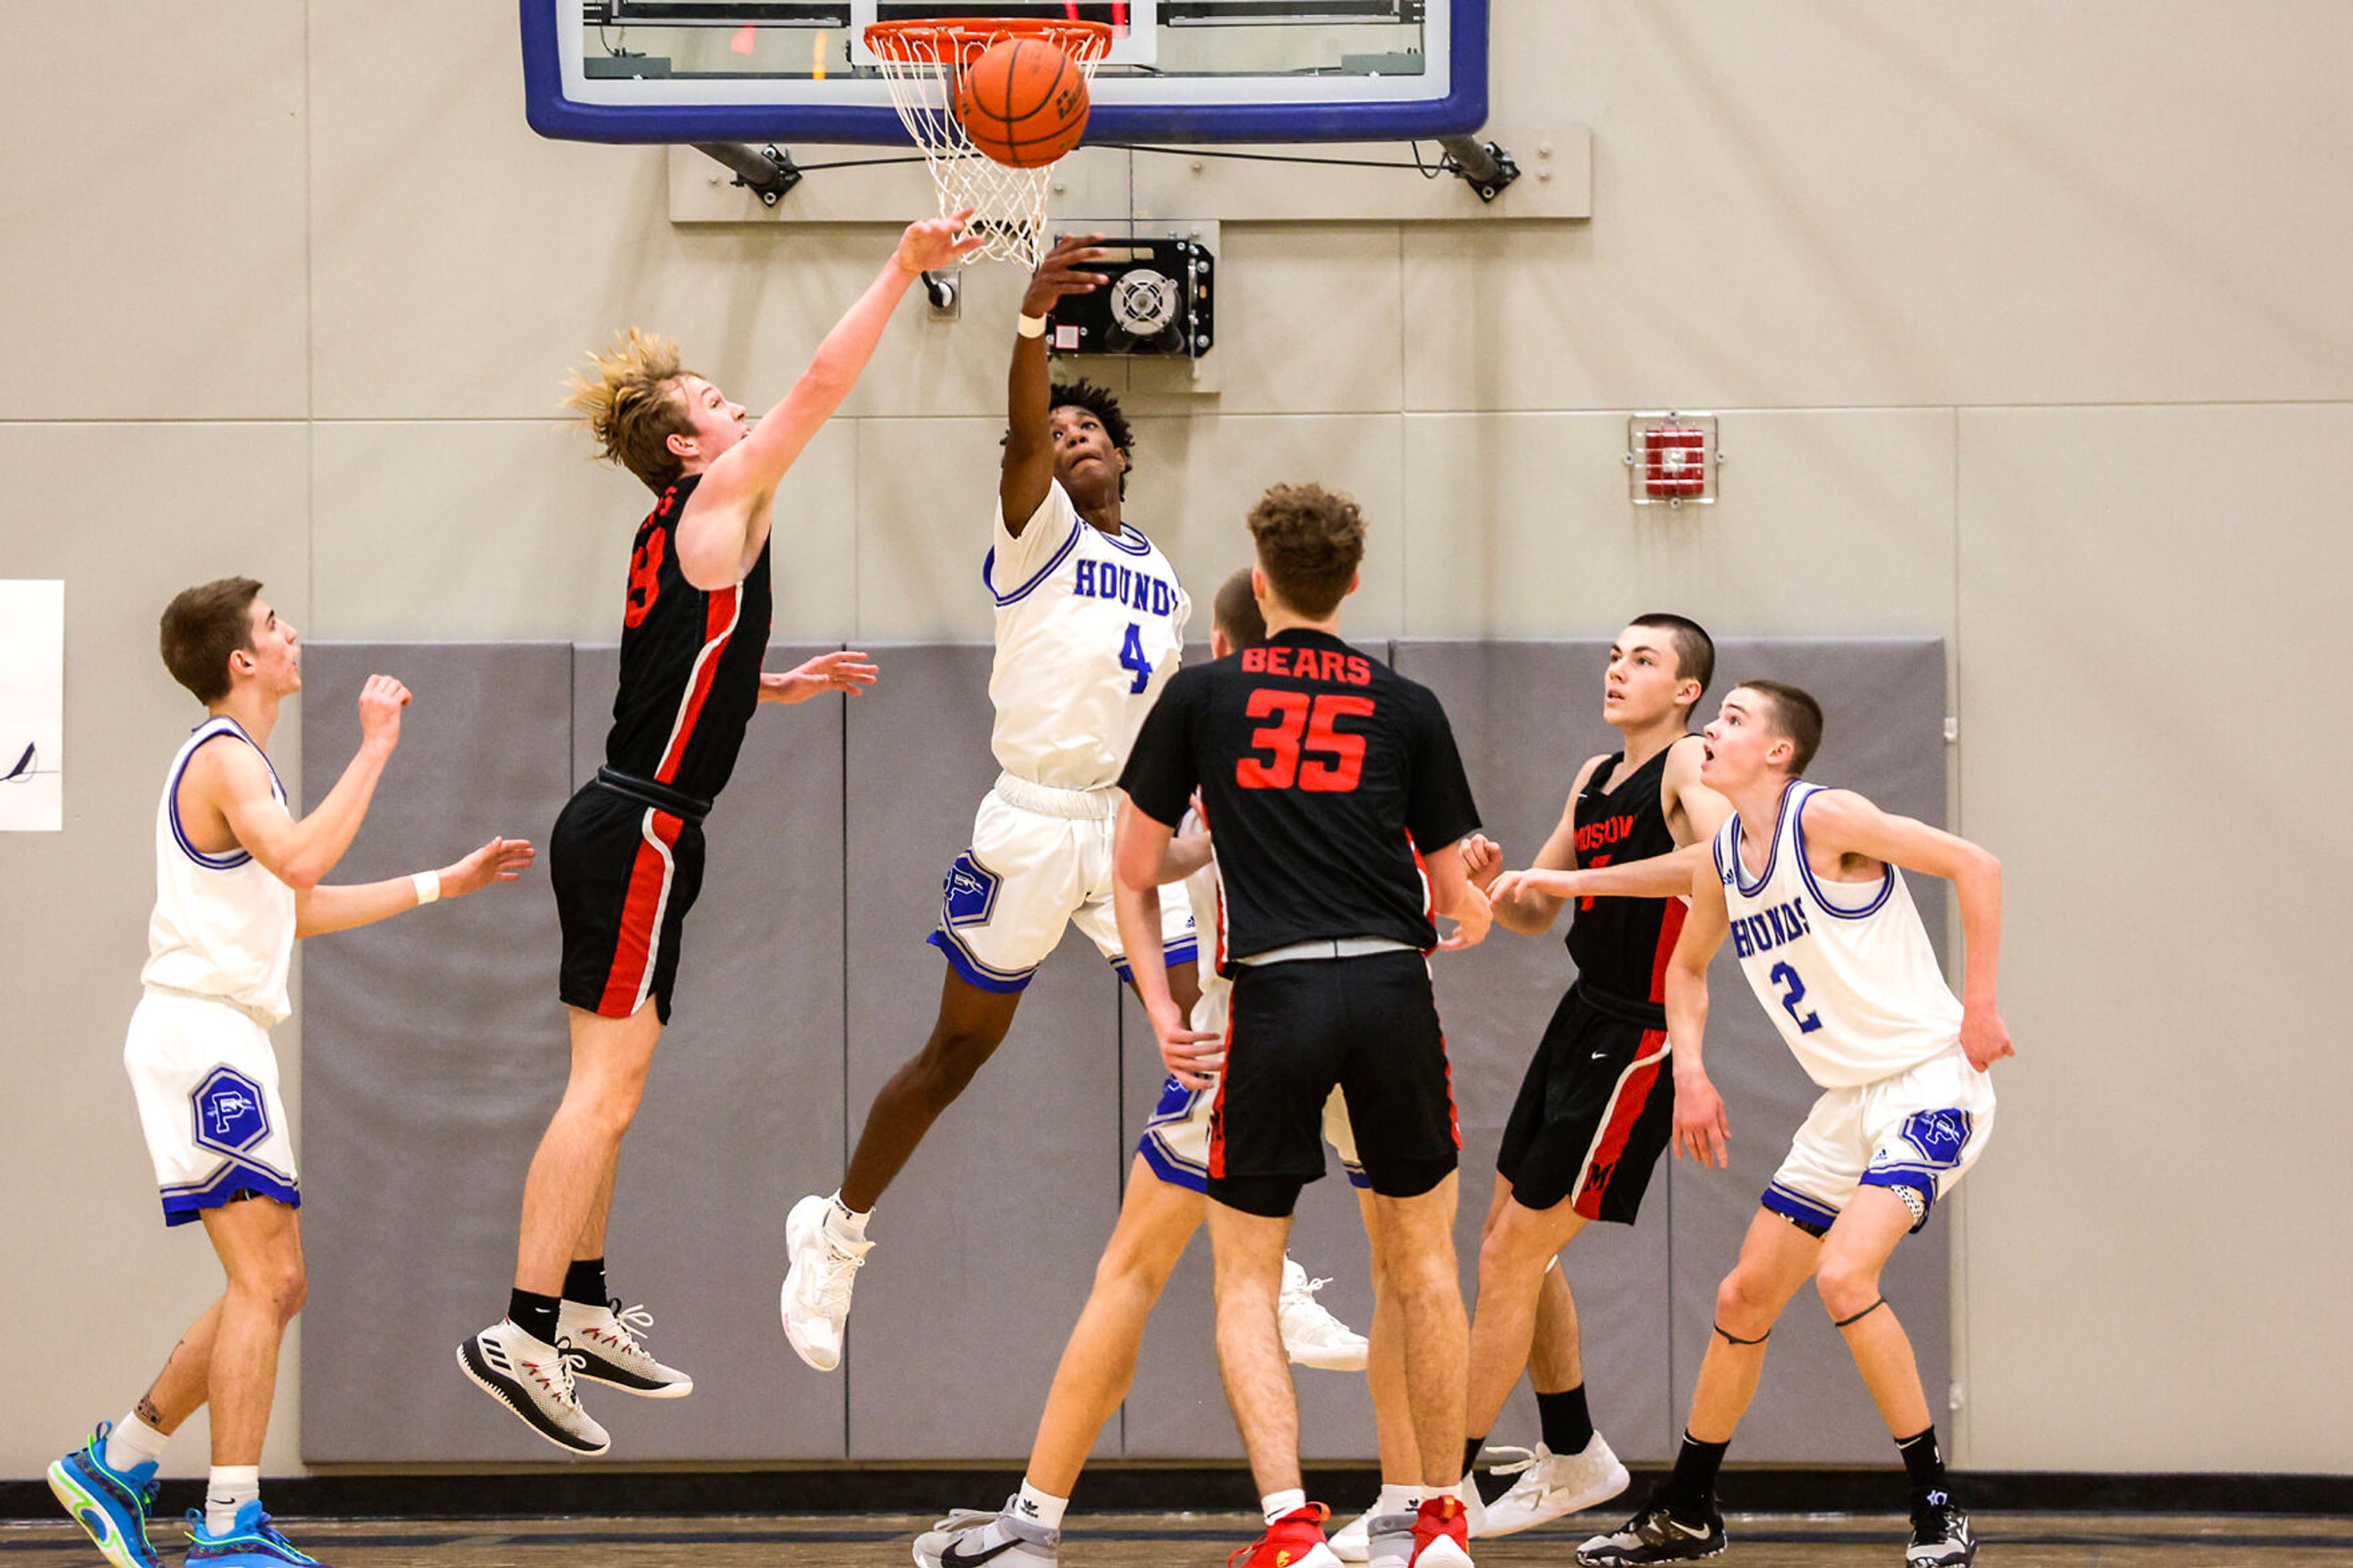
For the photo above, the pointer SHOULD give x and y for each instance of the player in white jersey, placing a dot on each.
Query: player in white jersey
(1089, 623)
(1806, 882)
(238, 879)
(1164, 1204)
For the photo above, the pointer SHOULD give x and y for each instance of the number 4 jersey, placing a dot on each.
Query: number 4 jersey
(1320, 769)
(1090, 626)
(1844, 969)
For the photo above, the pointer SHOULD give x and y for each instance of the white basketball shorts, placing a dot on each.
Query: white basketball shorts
(207, 1082)
(1039, 862)
(1175, 1141)
(1922, 1130)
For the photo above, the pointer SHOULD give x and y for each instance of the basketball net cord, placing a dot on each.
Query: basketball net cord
(921, 63)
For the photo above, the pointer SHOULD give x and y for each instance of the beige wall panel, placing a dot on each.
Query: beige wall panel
(1198, 478)
(1805, 204)
(128, 515)
(2148, 612)
(498, 530)
(154, 248)
(926, 498)
(462, 264)
(1833, 521)
(1308, 321)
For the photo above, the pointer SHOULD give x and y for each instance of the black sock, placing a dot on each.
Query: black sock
(585, 1282)
(1471, 1448)
(1692, 1484)
(534, 1314)
(1567, 1425)
(1924, 1463)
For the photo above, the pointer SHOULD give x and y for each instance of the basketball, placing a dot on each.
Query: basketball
(1023, 103)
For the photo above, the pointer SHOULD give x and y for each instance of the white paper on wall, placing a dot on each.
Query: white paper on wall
(32, 706)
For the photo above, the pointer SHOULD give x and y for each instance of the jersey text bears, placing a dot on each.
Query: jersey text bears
(1308, 664)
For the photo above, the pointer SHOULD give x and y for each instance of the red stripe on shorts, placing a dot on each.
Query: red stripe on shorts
(641, 911)
(1633, 1092)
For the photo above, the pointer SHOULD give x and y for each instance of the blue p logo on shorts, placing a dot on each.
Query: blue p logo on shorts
(969, 895)
(1939, 1135)
(231, 1115)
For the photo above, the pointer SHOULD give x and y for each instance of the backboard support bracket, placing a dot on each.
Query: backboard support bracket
(1487, 167)
(769, 173)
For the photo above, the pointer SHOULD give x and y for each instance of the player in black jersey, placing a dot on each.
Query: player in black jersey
(626, 856)
(1598, 1104)
(1337, 799)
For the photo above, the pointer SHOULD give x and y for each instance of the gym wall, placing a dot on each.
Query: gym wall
(2025, 327)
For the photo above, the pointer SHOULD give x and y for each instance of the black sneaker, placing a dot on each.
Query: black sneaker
(1656, 1535)
(1941, 1537)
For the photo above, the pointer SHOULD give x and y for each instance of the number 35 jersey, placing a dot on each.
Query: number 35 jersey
(1845, 970)
(1090, 626)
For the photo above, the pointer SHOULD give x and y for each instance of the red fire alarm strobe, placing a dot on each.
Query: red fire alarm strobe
(1672, 458)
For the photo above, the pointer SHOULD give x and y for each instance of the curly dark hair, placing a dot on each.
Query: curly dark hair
(1103, 405)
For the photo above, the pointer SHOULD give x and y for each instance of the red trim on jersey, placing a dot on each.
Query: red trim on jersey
(1670, 926)
(1453, 1112)
(1626, 1105)
(641, 911)
(1217, 1106)
(721, 608)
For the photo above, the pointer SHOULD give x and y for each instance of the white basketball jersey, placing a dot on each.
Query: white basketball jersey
(223, 925)
(1089, 627)
(1844, 969)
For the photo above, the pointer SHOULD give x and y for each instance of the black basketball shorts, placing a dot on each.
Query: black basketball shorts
(625, 873)
(1594, 1113)
(1367, 1025)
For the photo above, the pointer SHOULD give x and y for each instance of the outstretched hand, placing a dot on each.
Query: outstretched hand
(849, 672)
(1474, 917)
(500, 860)
(937, 242)
(1509, 884)
(1061, 272)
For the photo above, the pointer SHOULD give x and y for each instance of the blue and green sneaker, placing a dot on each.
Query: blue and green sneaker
(252, 1543)
(112, 1505)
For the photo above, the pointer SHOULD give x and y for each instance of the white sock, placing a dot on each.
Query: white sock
(133, 1443)
(1277, 1504)
(846, 1221)
(1040, 1508)
(1397, 1498)
(230, 1488)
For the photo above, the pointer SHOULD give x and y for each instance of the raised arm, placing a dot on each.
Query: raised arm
(1655, 877)
(1840, 822)
(1701, 1127)
(1530, 907)
(231, 783)
(1028, 471)
(726, 520)
(323, 908)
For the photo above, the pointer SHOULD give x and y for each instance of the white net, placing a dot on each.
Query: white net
(921, 62)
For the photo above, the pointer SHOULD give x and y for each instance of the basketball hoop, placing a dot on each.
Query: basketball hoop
(921, 60)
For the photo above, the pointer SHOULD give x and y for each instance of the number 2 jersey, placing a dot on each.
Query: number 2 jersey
(1320, 769)
(1090, 626)
(1845, 970)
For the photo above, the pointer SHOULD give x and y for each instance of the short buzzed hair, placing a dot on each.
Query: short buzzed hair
(1695, 649)
(202, 627)
(1310, 543)
(1794, 715)
(1237, 612)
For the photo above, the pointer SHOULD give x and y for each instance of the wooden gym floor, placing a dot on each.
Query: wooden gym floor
(1202, 1540)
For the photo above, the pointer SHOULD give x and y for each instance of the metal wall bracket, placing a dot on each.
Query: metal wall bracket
(767, 173)
(1487, 167)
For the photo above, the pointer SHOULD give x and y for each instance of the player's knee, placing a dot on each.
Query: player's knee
(1849, 1286)
(611, 1104)
(949, 1062)
(293, 1289)
(1742, 1305)
(1419, 1278)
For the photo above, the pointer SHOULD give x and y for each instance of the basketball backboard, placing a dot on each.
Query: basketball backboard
(1179, 71)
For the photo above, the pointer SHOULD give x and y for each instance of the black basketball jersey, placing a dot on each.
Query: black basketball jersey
(1320, 769)
(1621, 945)
(690, 661)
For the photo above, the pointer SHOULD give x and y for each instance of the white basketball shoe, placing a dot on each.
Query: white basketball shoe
(1311, 1336)
(815, 1302)
(968, 1537)
(611, 1351)
(533, 1379)
(1552, 1486)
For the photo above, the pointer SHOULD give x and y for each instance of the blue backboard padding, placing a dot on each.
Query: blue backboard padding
(1462, 111)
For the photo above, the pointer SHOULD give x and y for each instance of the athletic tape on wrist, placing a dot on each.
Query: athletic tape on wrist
(1031, 327)
(428, 885)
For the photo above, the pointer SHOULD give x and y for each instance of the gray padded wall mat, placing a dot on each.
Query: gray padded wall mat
(744, 1099)
(433, 1049)
(1884, 735)
(986, 1242)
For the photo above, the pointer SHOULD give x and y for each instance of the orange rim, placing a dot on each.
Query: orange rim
(1082, 41)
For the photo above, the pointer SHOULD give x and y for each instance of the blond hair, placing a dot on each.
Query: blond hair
(629, 397)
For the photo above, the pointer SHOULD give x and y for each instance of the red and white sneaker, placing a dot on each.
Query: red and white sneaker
(1441, 1534)
(1294, 1540)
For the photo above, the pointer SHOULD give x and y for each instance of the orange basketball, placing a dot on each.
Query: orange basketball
(1023, 103)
